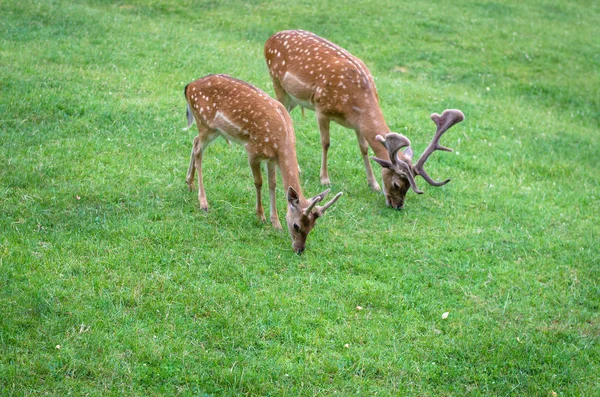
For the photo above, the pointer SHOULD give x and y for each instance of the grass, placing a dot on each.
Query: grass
(113, 282)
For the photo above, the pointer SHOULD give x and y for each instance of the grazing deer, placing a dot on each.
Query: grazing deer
(314, 73)
(240, 112)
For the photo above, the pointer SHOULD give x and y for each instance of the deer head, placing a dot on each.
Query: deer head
(399, 171)
(301, 217)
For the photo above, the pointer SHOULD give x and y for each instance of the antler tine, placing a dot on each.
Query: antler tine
(403, 165)
(322, 209)
(448, 118)
(315, 200)
(393, 143)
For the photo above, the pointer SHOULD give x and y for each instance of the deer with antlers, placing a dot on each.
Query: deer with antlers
(311, 72)
(240, 112)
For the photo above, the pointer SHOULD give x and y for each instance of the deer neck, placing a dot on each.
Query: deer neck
(372, 123)
(290, 176)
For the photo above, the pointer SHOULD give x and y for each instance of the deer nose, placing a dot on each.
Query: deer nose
(299, 251)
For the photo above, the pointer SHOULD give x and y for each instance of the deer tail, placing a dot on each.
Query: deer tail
(189, 114)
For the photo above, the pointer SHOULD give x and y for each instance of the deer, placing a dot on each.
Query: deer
(314, 73)
(240, 112)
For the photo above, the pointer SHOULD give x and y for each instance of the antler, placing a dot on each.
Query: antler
(448, 118)
(317, 199)
(321, 209)
(393, 143)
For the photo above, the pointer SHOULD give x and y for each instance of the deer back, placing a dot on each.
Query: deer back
(242, 113)
(321, 75)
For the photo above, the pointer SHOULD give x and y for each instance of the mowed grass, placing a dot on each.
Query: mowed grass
(113, 282)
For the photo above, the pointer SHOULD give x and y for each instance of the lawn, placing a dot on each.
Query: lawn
(113, 282)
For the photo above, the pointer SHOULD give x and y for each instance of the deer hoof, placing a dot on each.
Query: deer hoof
(203, 205)
(325, 181)
(190, 184)
(276, 224)
(374, 186)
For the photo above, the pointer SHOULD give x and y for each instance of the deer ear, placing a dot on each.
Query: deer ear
(383, 163)
(292, 197)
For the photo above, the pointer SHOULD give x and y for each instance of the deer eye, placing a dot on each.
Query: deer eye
(296, 227)
(396, 186)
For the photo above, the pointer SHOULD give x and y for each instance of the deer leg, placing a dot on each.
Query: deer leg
(323, 122)
(189, 178)
(272, 176)
(283, 97)
(255, 166)
(197, 153)
(364, 151)
(204, 138)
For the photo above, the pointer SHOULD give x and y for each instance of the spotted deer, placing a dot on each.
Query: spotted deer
(240, 112)
(311, 72)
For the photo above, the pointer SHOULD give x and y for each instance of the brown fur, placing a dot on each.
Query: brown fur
(240, 112)
(312, 72)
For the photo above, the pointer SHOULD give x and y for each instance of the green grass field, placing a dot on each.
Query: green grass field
(113, 282)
